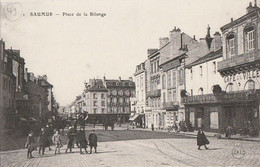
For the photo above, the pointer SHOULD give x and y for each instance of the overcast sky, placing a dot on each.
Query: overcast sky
(70, 50)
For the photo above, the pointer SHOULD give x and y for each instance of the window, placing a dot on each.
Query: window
(137, 82)
(169, 95)
(163, 97)
(250, 84)
(191, 74)
(103, 103)
(230, 87)
(102, 96)
(181, 76)
(103, 111)
(157, 65)
(200, 92)
(250, 40)
(95, 110)
(94, 96)
(163, 82)
(174, 95)
(174, 79)
(152, 68)
(214, 67)
(201, 71)
(95, 104)
(231, 48)
(169, 75)
(142, 82)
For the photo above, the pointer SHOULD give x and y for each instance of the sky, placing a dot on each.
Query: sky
(73, 49)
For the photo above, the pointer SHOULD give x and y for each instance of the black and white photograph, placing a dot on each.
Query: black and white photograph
(129, 83)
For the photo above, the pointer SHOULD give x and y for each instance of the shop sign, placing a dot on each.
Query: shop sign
(242, 76)
(221, 98)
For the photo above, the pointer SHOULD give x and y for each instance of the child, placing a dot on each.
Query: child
(30, 145)
(56, 139)
(92, 141)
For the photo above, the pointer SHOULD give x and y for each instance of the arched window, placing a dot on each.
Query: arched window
(230, 87)
(250, 84)
(200, 92)
(231, 47)
(249, 38)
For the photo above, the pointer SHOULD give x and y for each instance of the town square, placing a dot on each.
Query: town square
(146, 83)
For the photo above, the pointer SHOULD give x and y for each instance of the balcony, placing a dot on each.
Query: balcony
(172, 106)
(239, 60)
(154, 93)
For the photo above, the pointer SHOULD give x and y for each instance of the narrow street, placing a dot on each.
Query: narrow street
(162, 149)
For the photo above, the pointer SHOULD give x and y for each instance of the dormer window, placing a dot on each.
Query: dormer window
(231, 48)
(249, 39)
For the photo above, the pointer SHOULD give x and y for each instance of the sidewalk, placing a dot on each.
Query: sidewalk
(208, 134)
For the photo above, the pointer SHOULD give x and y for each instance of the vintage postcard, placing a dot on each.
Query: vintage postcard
(129, 83)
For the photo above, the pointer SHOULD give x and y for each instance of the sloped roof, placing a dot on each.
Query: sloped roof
(210, 56)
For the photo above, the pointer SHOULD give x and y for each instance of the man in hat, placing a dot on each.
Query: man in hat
(70, 137)
(30, 145)
(93, 141)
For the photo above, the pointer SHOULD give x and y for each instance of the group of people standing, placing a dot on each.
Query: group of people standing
(47, 137)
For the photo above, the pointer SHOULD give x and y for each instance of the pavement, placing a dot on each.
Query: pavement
(149, 152)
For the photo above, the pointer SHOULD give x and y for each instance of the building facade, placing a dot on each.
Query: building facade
(138, 103)
(7, 89)
(235, 101)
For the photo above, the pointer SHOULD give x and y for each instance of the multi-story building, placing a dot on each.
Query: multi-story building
(167, 76)
(139, 101)
(118, 97)
(7, 88)
(95, 100)
(235, 102)
(202, 78)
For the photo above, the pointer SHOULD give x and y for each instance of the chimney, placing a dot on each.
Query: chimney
(26, 75)
(130, 78)
(151, 51)
(119, 78)
(45, 77)
(175, 34)
(217, 41)
(163, 41)
(232, 20)
(250, 8)
(194, 37)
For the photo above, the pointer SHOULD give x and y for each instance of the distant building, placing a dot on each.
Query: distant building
(118, 97)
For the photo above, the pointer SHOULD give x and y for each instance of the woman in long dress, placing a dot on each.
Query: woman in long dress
(202, 139)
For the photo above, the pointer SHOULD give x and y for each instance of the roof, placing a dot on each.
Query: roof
(210, 56)
(97, 88)
(157, 52)
(43, 82)
(241, 19)
(119, 83)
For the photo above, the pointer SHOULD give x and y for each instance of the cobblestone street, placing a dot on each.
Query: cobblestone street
(150, 152)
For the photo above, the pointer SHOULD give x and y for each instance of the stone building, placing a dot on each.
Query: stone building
(138, 103)
(235, 101)
(118, 97)
(95, 100)
(7, 89)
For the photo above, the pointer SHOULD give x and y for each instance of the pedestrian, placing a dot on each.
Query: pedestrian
(70, 137)
(228, 132)
(202, 139)
(152, 127)
(92, 141)
(83, 143)
(49, 132)
(43, 141)
(56, 139)
(30, 145)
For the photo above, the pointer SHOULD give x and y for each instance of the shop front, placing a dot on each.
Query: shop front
(215, 112)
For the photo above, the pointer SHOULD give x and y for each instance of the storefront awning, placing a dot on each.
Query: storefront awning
(23, 119)
(133, 118)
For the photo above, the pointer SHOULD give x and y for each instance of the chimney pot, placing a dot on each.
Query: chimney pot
(231, 19)
(194, 37)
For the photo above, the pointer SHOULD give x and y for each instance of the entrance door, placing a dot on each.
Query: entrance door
(200, 117)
